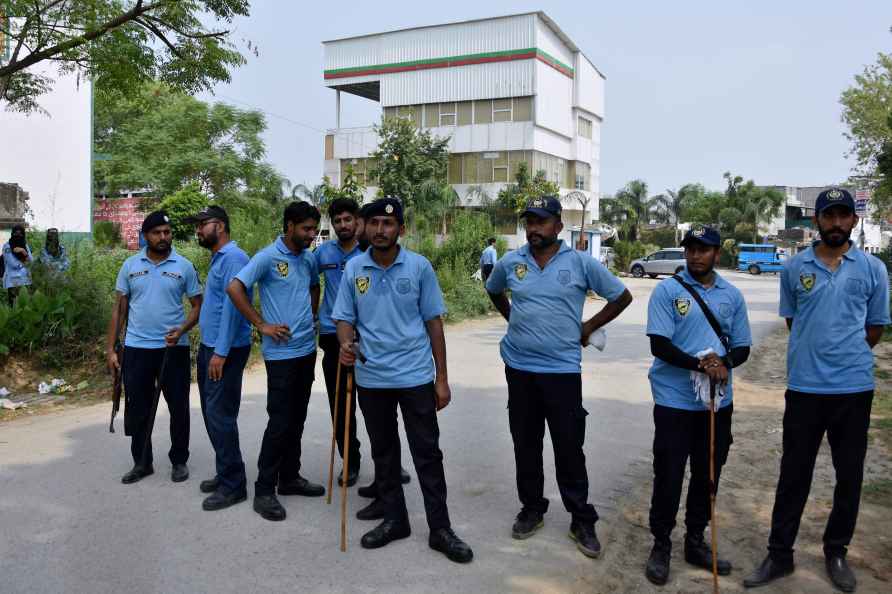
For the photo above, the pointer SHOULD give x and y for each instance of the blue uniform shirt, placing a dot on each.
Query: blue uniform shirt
(546, 306)
(17, 273)
(828, 352)
(489, 256)
(58, 263)
(284, 279)
(672, 312)
(221, 324)
(332, 261)
(155, 294)
(389, 308)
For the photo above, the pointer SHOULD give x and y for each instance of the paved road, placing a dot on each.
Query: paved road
(68, 524)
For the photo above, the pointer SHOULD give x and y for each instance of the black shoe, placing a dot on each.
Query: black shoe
(404, 476)
(301, 486)
(352, 477)
(376, 510)
(209, 486)
(455, 549)
(840, 573)
(137, 473)
(179, 473)
(526, 525)
(221, 500)
(699, 554)
(269, 508)
(657, 569)
(385, 533)
(369, 491)
(766, 573)
(586, 539)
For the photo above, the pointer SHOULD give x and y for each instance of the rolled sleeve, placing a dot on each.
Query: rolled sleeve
(878, 303)
(497, 282)
(600, 280)
(660, 317)
(431, 302)
(787, 308)
(345, 305)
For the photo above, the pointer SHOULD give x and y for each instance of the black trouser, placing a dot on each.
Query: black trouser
(419, 408)
(220, 401)
(533, 399)
(288, 386)
(680, 435)
(140, 370)
(331, 350)
(845, 418)
(485, 271)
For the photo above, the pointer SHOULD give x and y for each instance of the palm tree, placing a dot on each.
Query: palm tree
(314, 195)
(762, 205)
(437, 200)
(675, 203)
(639, 208)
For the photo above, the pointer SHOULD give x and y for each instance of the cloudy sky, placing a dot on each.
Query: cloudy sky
(694, 88)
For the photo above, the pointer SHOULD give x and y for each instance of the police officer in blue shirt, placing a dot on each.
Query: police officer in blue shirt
(679, 331)
(488, 258)
(222, 356)
(392, 297)
(549, 282)
(288, 279)
(150, 290)
(835, 299)
(16, 260)
(331, 259)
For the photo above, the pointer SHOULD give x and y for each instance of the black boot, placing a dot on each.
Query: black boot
(527, 523)
(220, 500)
(269, 508)
(137, 473)
(179, 473)
(301, 486)
(767, 572)
(209, 486)
(699, 554)
(385, 533)
(455, 549)
(657, 569)
(586, 539)
(840, 573)
(352, 477)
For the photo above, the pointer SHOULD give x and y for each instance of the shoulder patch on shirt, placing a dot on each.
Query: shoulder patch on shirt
(282, 268)
(520, 271)
(362, 284)
(807, 279)
(137, 273)
(332, 266)
(564, 277)
(682, 305)
(725, 310)
(173, 275)
(403, 286)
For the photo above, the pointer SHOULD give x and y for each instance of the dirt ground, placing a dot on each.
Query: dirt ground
(746, 497)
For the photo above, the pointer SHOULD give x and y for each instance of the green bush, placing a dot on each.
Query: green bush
(107, 234)
(663, 237)
(626, 251)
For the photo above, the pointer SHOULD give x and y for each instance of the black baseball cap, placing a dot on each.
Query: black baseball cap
(834, 197)
(543, 206)
(388, 206)
(701, 234)
(155, 219)
(210, 212)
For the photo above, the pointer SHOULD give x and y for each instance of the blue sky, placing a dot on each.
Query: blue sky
(694, 88)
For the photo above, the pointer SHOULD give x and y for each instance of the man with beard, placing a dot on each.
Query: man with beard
(286, 273)
(222, 356)
(549, 282)
(391, 295)
(16, 257)
(361, 238)
(150, 289)
(331, 259)
(682, 341)
(835, 299)
(53, 254)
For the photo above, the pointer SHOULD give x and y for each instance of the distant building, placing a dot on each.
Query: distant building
(506, 90)
(125, 211)
(13, 207)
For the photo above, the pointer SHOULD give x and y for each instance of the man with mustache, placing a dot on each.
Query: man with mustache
(16, 258)
(150, 290)
(549, 282)
(392, 296)
(288, 279)
(222, 356)
(835, 299)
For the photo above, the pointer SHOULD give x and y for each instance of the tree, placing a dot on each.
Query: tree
(437, 201)
(162, 140)
(881, 201)
(633, 203)
(406, 158)
(752, 203)
(867, 106)
(315, 195)
(183, 203)
(119, 45)
(515, 196)
(675, 203)
(351, 188)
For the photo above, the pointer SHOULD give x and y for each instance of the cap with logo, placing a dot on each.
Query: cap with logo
(543, 206)
(834, 197)
(210, 212)
(387, 206)
(702, 234)
(155, 219)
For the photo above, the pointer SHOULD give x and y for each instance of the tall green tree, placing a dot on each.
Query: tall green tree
(118, 44)
(183, 203)
(867, 105)
(752, 204)
(631, 208)
(526, 187)
(351, 188)
(163, 140)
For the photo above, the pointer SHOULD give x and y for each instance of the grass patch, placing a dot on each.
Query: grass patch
(879, 492)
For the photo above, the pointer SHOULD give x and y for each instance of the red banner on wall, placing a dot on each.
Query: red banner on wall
(126, 213)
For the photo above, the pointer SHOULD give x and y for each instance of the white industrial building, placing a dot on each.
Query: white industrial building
(505, 90)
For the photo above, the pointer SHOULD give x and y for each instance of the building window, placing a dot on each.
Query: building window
(447, 114)
(431, 115)
(454, 172)
(523, 109)
(501, 110)
(465, 113)
(580, 182)
(483, 112)
(500, 174)
(584, 128)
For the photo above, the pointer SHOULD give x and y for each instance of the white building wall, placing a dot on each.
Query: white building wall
(554, 100)
(464, 83)
(589, 87)
(549, 42)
